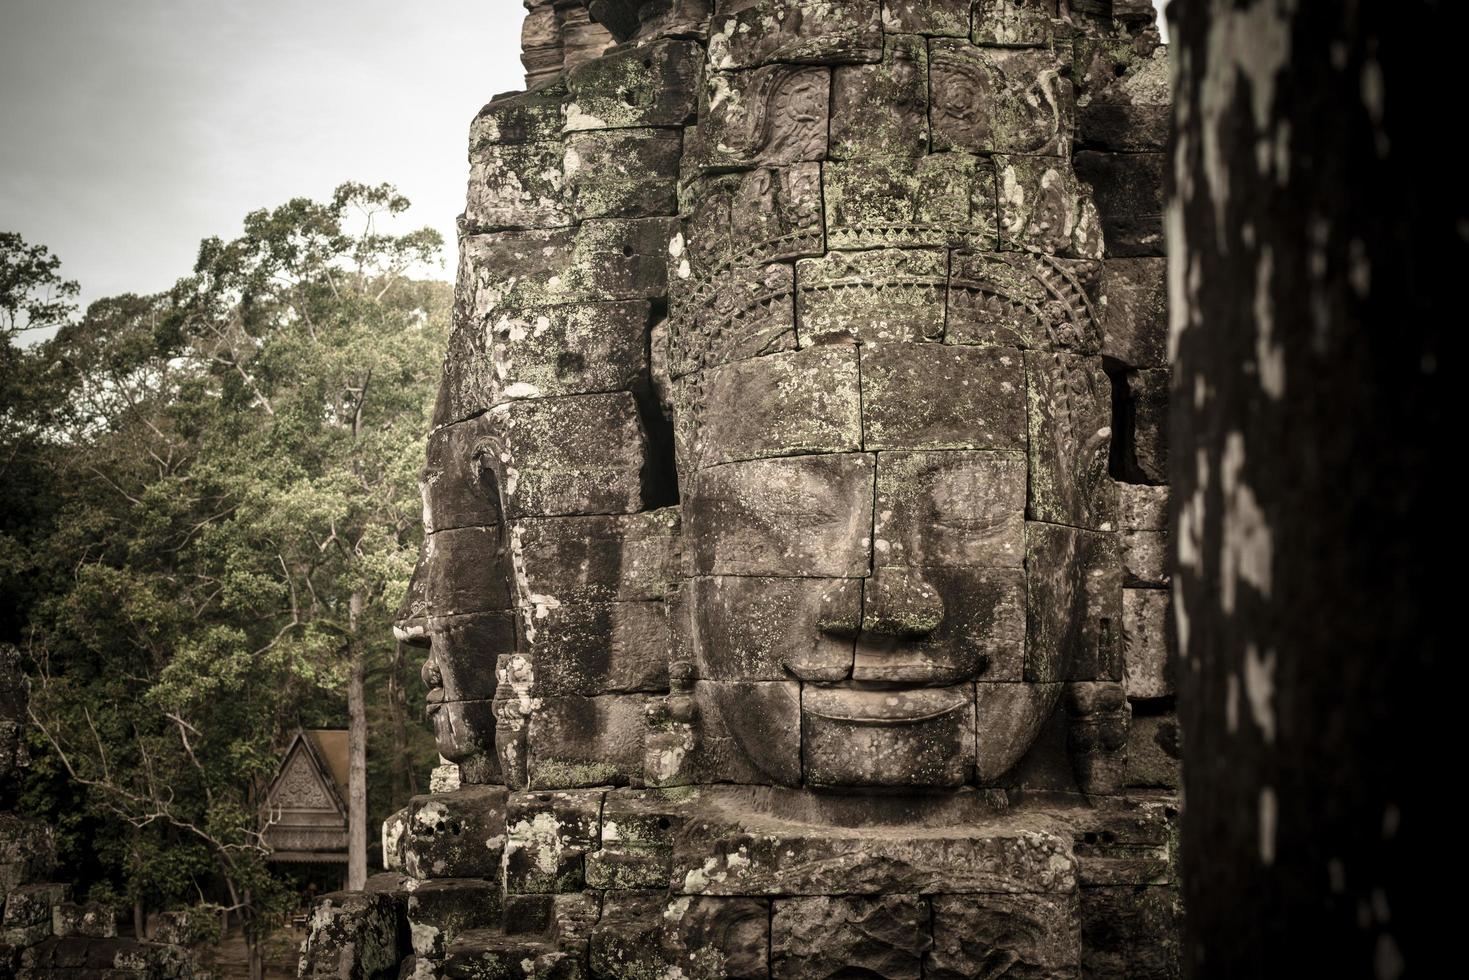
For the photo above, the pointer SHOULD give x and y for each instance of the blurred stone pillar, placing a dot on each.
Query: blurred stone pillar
(1312, 251)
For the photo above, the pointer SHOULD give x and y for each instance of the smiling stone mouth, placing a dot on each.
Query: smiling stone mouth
(893, 662)
(885, 706)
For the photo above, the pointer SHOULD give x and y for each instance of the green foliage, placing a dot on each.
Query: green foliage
(231, 517)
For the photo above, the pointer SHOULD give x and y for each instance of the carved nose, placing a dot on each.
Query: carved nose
(900, 602)
(432, 678)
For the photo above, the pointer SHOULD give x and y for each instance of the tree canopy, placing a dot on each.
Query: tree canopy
(223, 514)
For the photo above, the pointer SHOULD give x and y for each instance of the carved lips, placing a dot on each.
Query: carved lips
(917, 737)
(857, 706)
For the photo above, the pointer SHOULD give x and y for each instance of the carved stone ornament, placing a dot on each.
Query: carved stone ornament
(776, 561)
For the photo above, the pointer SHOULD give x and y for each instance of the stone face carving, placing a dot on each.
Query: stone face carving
(777, 564)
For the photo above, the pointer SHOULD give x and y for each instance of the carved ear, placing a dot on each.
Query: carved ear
(410, 623)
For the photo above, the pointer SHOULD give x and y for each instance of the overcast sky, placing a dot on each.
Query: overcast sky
(131, 129)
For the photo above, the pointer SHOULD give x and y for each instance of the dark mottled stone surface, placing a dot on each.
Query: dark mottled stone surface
(825, 936)
(1129, 196)
(748, 33)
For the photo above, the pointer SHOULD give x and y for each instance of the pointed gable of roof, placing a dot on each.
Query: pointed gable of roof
(305, 780)
(331, 749)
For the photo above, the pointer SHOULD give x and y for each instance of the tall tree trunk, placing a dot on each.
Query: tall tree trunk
(405, 780)
(140, 917)
(356, 751)
(255, 961)
(1315, 237)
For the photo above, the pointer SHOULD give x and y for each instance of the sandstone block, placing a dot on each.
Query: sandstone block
(1131, 932)
(882, 108)
(749, 33)
(1145, 558)
(827, 936)
(625, 940)
(760, 215)
(934, 18)
(516, 185)
(548, 837)
(1014, 23)
(1135, 314)
(716, 938)
(622, 173)
(982, 405)
(941, 626)
(461, 728)
(395, 833)
(1125, 841)
(565, 919)
(582, 454)
(468, 571)
(1000, 100)
(755, 628)
(740, 851)
(730, 314)
(1143, 508)
(597, 647)
(602, 260)
(1149, 672)
(587, 741)
(1125, 101)
(917, 737)
(748, 732)
(943, 199)
(1128, 188)
(457, 491)
(958, 509)
(352, 936)
(523, 117)
(785, 404)
(802, 515)
(466, 649)
(1005, 935)
(887, 294)
(111, 957)
(92, 920)
(1008, 717)
(1147, 392)
(637, 85)
(638, 832)
(621, 557)
(467, 385)
(1073, 604)
(442, 909)
(483, 954)
(1098, 715)
(1031, 301)
(1153, 751)
(30, 905)
(1044, 207)
(456, 835)
(569, 349)
(770, 116)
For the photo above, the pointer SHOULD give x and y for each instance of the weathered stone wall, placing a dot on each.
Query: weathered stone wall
(794, 580)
